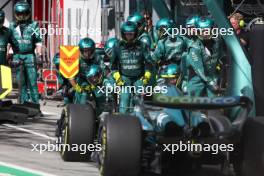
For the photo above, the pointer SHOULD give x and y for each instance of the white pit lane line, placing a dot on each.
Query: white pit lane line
(25, 169)
(31, 132)
(49, 113)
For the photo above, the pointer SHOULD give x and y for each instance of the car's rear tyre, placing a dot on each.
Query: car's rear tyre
(78, 131)
(120, 137)
(253, 147)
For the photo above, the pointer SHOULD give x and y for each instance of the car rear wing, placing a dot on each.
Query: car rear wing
(186, 102)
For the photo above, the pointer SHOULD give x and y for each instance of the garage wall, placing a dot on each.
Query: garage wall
(84, 14)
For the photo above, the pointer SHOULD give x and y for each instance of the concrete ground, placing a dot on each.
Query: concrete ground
(16, 148)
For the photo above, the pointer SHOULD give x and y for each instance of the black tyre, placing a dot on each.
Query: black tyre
(78, 131)
(120, 138)
(253, 147)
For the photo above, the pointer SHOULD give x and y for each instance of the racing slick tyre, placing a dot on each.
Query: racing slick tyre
(253, 147)
(78, 131)
(120, 138)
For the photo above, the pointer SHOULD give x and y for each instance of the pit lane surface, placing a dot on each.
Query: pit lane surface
(16, 149)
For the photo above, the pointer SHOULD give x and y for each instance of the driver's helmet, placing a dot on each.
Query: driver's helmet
(172, 73)
(94, 75)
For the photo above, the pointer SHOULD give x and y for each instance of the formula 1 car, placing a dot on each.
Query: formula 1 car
(147, 139)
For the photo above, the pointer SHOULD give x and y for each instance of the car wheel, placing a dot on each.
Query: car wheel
(77, 132)
(120, 138)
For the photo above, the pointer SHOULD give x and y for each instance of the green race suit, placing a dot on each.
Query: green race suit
(5, 38)
(131, 60)
(169, 50)
(82, 97)
(145, 38)
(194, 78)
(25, 37)
(212, 55)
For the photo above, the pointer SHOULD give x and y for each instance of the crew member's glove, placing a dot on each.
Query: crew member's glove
(78, 88)
(145, 79)
(218, 67)
(118, 78)
(89, 88)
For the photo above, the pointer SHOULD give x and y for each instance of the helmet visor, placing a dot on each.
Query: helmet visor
(95, 79)
(162, 32)
(129, 36)
(22, 16)
(87, 53)
(172, 79)
(205, 34)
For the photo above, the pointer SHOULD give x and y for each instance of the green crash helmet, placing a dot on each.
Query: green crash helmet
(86, 43)
(162, 25)
(170, 71)
(204, 24)
(129, 32)
(56, 60)
(87, 48)
(22, 11)
(190, 24)
(94, 75)
(2, 18)
(172, 74)
(191, 21)
(108, 48)
(139, 20)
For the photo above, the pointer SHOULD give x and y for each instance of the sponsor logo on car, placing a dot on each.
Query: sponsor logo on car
(195, 100)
